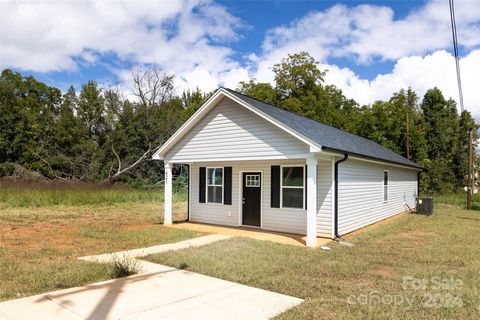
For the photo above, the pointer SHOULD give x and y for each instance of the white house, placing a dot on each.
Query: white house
(253, 164)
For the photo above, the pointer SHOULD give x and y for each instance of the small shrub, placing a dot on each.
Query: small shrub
(6, 169)
(124, 266)
(183, 266)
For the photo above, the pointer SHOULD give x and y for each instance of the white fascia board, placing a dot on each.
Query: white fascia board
(386, 163)
(301, 156)
(207, 106)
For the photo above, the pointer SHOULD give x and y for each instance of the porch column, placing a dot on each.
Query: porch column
(312, 202)
(167, 216)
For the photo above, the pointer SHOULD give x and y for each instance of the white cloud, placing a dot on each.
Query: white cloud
(188, 38)
(366, 33)
(191, 39)
(420, 73)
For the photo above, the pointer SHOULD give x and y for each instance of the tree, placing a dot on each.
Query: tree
(192, 100)
(143, 126)
(466, 123)
(113, 108)
(412, 139)
(382, 124)
(91, 111)
(60, 155)
(262, 91)
(98, 135)
(297, 76)
(28, 109)
(152, 86)
(441, 135)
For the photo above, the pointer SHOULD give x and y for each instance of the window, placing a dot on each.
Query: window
(293, 187)
(252, 180)
(385, 186)
(215, 185)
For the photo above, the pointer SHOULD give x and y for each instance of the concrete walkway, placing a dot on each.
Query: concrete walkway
(161, 292)
(168, 293)
(142, 252)
(278, 237)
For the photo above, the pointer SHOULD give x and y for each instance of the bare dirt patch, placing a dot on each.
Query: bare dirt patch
(39, 246)
(385, 272)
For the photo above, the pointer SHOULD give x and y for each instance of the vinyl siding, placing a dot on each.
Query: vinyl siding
(324, 198)
(360, 197)
(274, 219)
(232, 131)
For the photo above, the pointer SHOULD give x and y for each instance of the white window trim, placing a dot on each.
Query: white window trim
(290, 187)
(212, 185)
(388, 186)
(255, 180)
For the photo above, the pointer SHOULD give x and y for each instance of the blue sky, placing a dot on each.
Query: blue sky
(371, 48)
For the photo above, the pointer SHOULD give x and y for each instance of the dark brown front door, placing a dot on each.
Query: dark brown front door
(251, 198)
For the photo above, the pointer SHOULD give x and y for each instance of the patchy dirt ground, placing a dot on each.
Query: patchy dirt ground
(39, 246)
(83, 230)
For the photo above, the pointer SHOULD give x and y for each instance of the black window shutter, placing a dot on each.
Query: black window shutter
(275, 187)
(305, 186)
(227, 185)
(201, 184)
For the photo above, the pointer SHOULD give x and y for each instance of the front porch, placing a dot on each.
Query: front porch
(247, 197)
(257, 234)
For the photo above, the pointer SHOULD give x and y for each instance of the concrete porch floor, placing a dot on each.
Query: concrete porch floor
(253, 233)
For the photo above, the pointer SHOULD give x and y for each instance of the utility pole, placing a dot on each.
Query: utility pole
(408, 137)
(460, 96)
(470, 170)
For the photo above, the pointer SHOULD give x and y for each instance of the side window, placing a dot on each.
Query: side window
(215, 185)
(385, 186)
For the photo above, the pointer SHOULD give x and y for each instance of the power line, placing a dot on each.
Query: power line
(460, 95)
(455, 51)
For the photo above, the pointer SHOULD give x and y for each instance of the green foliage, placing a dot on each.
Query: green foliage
(6, 169)
(297, 77)
(192, 100)
(28, 109)
(261, 91)
(95, 134)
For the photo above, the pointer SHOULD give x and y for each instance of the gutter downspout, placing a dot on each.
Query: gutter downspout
(188, 191)
(345, 157)
(418, 183)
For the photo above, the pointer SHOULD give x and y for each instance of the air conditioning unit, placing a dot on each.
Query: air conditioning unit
(424, 205)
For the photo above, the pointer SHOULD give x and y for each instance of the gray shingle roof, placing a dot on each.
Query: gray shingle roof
(328, 137)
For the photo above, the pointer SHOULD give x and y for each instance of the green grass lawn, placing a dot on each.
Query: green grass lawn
(44, 230)
(366, 281)
(458, 199)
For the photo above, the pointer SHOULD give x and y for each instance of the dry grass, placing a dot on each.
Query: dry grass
(39, 244)
(445, 245)
(21, 194)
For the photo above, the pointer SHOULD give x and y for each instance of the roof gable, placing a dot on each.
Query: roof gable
(208, 106)
(232, 132)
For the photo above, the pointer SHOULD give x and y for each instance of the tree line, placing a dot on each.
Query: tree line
(98, 134)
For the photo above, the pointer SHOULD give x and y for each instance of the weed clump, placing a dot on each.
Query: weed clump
(124, 266)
